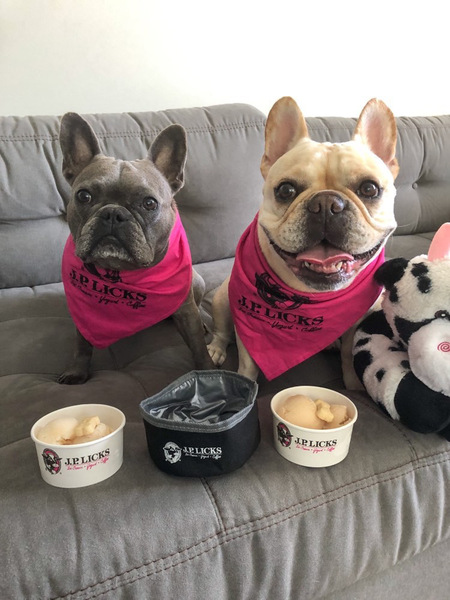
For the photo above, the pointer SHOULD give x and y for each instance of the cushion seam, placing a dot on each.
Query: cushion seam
(214, 504)
(139, 134)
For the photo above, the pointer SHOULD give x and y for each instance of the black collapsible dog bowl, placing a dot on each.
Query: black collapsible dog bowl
(203, 424)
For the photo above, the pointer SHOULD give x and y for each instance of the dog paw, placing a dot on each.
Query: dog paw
(217, 352)
(72, 377)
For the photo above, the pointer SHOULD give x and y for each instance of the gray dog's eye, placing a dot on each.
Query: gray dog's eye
(84, 196)
(285, 192)
(368, 189)
(150, 203)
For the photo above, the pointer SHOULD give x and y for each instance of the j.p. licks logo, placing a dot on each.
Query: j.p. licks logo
(279, 307)
(54, 464)
(104, 288)
(173, 453)
(287, 440)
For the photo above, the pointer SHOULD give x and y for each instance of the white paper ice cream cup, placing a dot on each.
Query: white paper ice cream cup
(312, 447)
(79, 465)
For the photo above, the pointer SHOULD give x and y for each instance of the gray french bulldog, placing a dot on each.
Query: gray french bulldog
(126, 264)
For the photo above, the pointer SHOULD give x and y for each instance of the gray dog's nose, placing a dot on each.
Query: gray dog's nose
(326, 203)
(114, 214)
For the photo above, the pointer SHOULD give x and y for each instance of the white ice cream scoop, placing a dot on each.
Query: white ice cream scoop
(58, 431)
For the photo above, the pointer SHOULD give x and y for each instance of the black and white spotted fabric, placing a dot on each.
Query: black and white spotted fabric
(402, 352)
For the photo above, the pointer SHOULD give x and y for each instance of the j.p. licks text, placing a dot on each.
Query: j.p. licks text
(87, 462)
(279, 319)
(105, 292)
(203, 453)
(315, 444)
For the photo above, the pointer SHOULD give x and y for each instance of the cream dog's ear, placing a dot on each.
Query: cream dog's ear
(377, 129)
(285, 127)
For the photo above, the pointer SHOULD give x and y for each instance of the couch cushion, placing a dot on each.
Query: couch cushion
(269, 530)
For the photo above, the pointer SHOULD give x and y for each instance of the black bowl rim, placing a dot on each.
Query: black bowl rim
(199, 427)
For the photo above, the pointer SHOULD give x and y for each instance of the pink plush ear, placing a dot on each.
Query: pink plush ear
(440, 244)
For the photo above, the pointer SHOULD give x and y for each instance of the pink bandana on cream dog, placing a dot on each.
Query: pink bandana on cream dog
(281, 327)
(108, 305)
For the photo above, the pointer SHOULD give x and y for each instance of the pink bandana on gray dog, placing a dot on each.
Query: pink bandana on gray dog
(108, 305)
(281, 327)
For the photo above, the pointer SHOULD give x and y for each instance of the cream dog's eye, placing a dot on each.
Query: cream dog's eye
(285, 191)
(368, 189)
(84, 196)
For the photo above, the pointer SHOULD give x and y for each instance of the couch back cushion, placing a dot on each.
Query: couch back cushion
(220, 197)
(223, 182)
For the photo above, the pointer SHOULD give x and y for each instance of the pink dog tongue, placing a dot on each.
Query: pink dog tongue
(323, 255)
(440, 245)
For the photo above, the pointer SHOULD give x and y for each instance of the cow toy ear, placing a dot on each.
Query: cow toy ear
(390, 272)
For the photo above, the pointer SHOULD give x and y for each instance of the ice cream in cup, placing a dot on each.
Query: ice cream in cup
(79, 445)
(312, 425)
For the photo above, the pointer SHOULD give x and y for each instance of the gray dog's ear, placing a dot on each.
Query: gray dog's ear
(79, 144)
(168, 152)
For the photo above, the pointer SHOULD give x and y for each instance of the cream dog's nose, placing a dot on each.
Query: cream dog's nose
(327, 203)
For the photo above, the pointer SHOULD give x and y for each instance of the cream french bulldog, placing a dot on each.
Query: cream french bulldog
(302, 276)
(126, 264)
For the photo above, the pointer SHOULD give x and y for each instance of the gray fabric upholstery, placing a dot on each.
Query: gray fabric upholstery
(374, 525)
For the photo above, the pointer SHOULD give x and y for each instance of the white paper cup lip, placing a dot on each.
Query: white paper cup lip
(341, 435)
(80, 410)
(80, 465)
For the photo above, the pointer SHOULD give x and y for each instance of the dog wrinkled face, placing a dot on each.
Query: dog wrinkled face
(121, 212)
(328, 209)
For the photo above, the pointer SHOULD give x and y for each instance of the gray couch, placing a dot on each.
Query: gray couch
(374, 525)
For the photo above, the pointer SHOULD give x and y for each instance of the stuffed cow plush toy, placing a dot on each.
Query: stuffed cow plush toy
(402, 352)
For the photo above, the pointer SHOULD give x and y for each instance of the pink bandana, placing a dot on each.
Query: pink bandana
(281, 327)
(108, 305)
